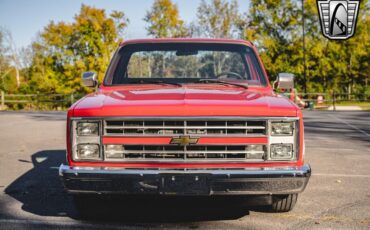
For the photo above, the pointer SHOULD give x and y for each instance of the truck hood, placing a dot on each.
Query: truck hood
(198, 100)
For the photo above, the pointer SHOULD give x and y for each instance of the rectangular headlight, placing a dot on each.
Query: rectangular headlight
(282, 128)
(281, 151)
(88, 151)
(87, 128)
(86, 140)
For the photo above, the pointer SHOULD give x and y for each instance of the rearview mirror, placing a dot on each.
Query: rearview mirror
(89, 79)
(285, 81)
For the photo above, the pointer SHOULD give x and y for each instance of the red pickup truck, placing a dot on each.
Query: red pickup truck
(189, 117)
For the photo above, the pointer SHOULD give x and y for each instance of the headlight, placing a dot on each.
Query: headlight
(86, 140)
(282, 128)
(281, 151)
(113, 151)
(88, 151)
(87, 128)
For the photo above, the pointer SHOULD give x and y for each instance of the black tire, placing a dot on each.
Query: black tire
(284, 203)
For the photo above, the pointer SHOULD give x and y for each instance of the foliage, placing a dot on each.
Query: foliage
(164, 20)
(218, 19)
(276, 28)
(65, 50)
(9, 70)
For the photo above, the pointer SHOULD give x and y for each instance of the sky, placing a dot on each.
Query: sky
(25, 18)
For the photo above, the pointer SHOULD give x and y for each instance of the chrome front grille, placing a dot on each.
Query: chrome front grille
(184, 127)
(189, 152)
(179, 127)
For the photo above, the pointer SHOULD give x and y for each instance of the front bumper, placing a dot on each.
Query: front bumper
(255, 181)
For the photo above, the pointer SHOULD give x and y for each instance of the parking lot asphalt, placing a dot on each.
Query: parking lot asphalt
(32, 146)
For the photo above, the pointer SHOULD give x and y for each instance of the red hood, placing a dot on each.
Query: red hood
(189, 100)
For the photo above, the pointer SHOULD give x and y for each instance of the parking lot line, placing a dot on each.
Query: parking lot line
(58, 224)
(348, 124)
(341, 175)
(36, 222)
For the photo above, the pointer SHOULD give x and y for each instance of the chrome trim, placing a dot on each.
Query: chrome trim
(185, 127)
(241, 181)
(294, 141)
(184, 155)
(193, 135)
(289, 171)
(75, 140)
(151, 161)
(179, 127)
(203, 127)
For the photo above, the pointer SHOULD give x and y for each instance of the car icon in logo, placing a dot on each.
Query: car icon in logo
(338, 18)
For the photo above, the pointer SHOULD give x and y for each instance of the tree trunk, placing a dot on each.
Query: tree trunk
(149, 68)
(17, 77)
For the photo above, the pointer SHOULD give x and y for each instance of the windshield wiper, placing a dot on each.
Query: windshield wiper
(222, 82)
(154, 82)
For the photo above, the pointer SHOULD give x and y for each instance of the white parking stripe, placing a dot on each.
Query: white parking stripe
(352, 126)
(341, 175)
(56, 223)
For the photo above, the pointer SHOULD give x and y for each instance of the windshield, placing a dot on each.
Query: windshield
(184, 63)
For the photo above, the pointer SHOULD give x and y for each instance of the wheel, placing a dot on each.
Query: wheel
(284, 203)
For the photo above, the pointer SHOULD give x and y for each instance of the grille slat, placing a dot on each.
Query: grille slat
(191, 127)
(184, 153)
(192, 152)
(184, 127)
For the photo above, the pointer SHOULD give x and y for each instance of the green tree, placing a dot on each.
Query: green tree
(65, 50)
(9, 65)
(164, 20)
(4, 63)
(276, 28)
(218, 19)
(351, 57)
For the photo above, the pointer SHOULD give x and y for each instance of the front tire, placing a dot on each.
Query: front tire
(284, 203)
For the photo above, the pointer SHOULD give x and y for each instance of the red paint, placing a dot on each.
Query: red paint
(187, 40)
(232, 140)
(188, 100)
(137, 140)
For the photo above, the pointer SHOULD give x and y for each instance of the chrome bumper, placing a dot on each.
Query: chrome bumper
(256, 181)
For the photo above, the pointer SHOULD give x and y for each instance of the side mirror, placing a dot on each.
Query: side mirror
(89, 79)
(285, 81)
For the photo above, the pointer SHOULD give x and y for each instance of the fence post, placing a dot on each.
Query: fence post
(334, 100)
(37, 100)
(72, 99)
(2, 99)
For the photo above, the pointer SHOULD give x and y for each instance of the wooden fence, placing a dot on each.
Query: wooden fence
(38, 101)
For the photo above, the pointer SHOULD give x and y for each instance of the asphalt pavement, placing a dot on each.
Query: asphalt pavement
(32, 146)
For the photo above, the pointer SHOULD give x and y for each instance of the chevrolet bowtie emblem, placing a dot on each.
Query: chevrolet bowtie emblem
(184, 140)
